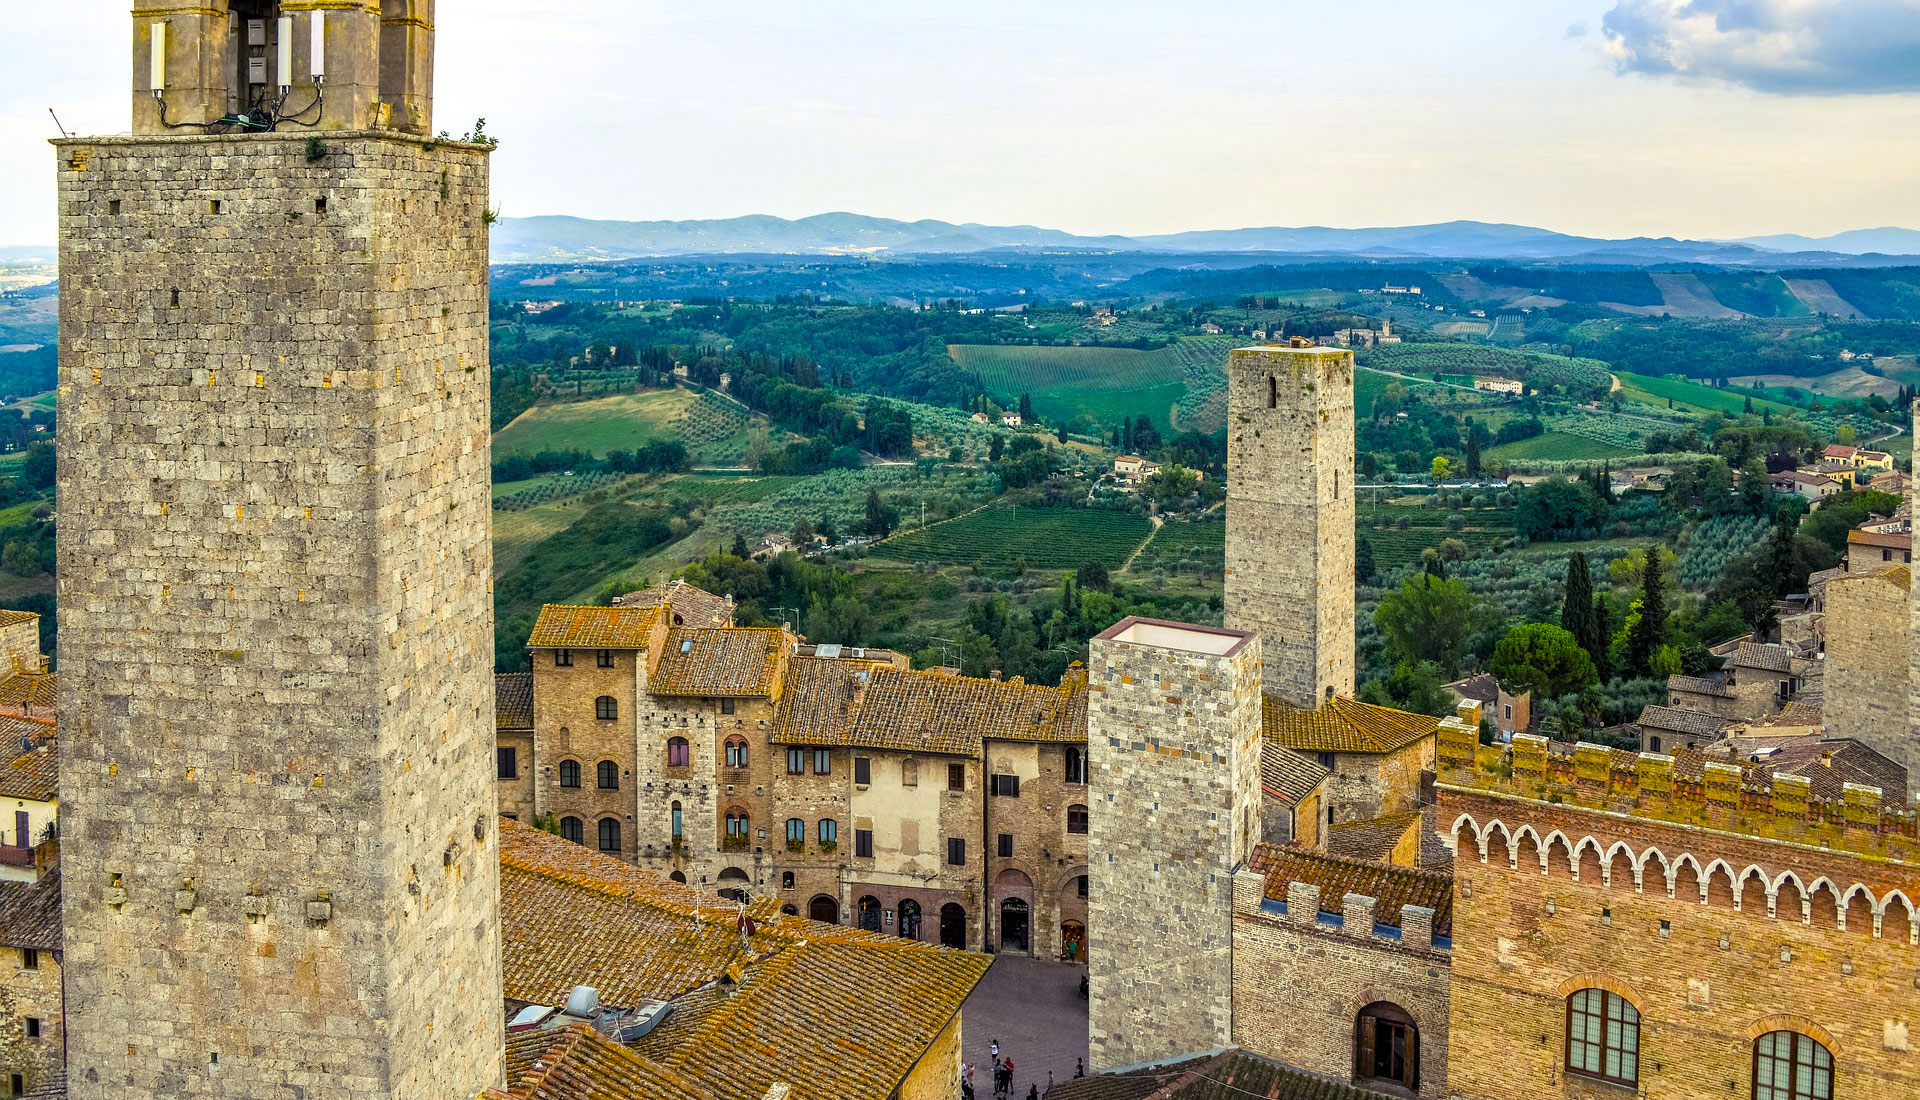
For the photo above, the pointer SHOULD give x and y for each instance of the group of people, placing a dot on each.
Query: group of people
(1003, 1077)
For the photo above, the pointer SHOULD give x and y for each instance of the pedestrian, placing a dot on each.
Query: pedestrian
(1079, 1067)
(995, 1048)
(1033, 1093)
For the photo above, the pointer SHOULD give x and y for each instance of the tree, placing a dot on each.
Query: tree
(38, 470)
(1093, 577)
(1415, 687)
(1171, 484)
(1559, 509)
(1364, 571)
(740, 546)
(1543, 659)
(1473, 453)
(1442, 469)
(1649, 633)
(1603, 634)
(1026, 409)
(1429, 619)
(880, 519)
(1576, 608)
(996, 448)
(802, 532)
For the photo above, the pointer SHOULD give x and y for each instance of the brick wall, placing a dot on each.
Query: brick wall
(30, 994)
(568, 729)
(1045, 854)
(1868, 638)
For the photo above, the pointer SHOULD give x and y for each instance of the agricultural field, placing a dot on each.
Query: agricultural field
(1101, 384)
(1470, 360)
(714, 429)
(1557, 446)
(998, 539)
(1426, 527)
(1183, 547)
(1691, 397)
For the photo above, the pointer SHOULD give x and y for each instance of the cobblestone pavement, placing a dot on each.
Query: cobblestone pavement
(1034, 1008)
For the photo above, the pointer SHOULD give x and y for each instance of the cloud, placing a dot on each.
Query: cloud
(1577, 30)
(1787, 47)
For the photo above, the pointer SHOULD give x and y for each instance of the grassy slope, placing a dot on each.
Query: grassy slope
(1065, 383)
(1690, 396)
(600, 425)
(1556, 447)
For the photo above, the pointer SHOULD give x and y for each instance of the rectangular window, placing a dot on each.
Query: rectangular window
(829, 831)
(726, 706)
(862, 771)
(29, 958)
(1006, 845)
(603, 658)
(822, 762)
(509, 760)
(33, 1027)
(956, 851)
(796, 761)
(1006, 786)
(863, 843)
(956, 777)
(1509, 710)
(1326, 761)
(909, 772)
(1076, 819)
(563, 658)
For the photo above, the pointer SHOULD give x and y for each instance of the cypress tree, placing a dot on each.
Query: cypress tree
(1650, 633)
(1603, 629)
(1576, 610)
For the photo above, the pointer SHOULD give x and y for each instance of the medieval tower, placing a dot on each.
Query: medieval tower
(1290, 515)
(1173, 740)
(281, 866)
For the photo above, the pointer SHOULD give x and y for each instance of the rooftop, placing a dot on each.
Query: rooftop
(15, 618)
(566, 626)
(818, 699)
(1228, 1075)
(689, 606)
(32, 692)
(1830, 763)
(1372, 839)
(1696, 723)
(1336, 876)
(1286, 774)
(1182, 637)
(513, 700)
(1484, 688)
(578, 1063)
(29, 759)
(1343, 725)
(30, 913)
(720, 661)
(1697, 685)
(906, 711)
(1771, 658)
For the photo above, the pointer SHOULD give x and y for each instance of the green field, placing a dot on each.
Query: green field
(1557, 447)
(1692, 397)
(1045, 538)
(1101, 384)
(1199, 547)
(713, 428)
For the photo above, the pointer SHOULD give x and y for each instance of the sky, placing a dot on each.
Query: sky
(1689, 118)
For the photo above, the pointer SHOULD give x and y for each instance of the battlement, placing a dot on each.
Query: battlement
(1688, 790)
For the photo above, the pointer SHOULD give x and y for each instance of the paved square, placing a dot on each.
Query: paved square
(1034, 1008)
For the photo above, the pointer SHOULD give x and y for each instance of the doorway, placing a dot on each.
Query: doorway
(1387, 1047)
(953, 926)
(1016, 929)
(824, 909)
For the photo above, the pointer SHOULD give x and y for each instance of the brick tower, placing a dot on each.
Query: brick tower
(1173, 738)
(1290, 516)
(281, 866)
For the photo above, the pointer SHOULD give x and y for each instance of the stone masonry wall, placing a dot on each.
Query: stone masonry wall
(1299, 983)
(1174, 742)
(279, 853)
(1869, 639)
(567, 728)
(30, 994)
(1290, 515)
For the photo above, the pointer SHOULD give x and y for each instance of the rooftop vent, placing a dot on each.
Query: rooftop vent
(529, 1018)
(830, 650)
(643, 1019)
(583, 1002)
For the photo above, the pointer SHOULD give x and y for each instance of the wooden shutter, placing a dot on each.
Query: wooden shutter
(1363, 1048)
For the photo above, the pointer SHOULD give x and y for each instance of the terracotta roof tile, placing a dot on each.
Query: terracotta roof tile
(30, 913)
(690, 606)
(1697, 723)
(1229, 1075)
(1286, 774)
(566, 626)
(1343, 725)
(15, 618)
(818, 699)
(1698, 685)
(720, 661)
(29, 759)
(1371, 839)
(1484, 688)
(930, 712)
(1390, 887)
(513, 700)
(1772, 658)
(38, 693)
(577, 1063)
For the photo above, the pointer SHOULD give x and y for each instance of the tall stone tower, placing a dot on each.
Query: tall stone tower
(281, 866)
(1290, 516)
(1173, 738)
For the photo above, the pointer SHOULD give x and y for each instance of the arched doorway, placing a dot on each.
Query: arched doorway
(1073, 941)
(733, 884)
(909, 919)
(869, 911)
(1386, 1047)
(1016, 925)
(679, 877)
(824, 909)
(953, 926)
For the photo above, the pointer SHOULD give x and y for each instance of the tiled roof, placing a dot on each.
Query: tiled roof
(909, 711)
(53, 1088)
(1830, 762)
(1229, 1075)
(1696, 685)
(577, 1063)
(1796, 713)
(1343, 725)
(513, 700)
(1287, 774)
(30, 913)
(566, 626)
(1483, 688)
(1771, 658)
(1838, 450)
(1390, 887)
(689, 606)
(837, 1013)
(1895, 540)
(716, 661)
(1371, 839)
(1684, 720)
(817, 699)
(29, 759)
(15, 618)
(34, 692)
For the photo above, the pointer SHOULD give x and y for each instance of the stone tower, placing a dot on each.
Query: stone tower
(1173, 739)
(281, 866)
(1290, 516)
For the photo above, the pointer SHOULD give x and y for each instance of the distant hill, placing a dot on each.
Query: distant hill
(568, 239)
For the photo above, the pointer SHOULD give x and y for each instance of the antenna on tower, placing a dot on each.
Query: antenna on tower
(56, 122)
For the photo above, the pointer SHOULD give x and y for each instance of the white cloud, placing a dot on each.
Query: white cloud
(1787, 47)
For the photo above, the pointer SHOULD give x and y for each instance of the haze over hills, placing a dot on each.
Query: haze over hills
(566, 239)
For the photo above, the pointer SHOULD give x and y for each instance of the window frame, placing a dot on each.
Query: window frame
(1085, 820)
(606, 709)
(828, 830)
(823, 761)
(682, 748)
(796, 830)
(601, 834)
(956, 777)
(736, 752)
(796, 761)
(863, 844)
(1613, 1009)
(570, 775)
(956, 851)
(603, 658)
(1004, 843)
(29, 958)
(573, 829)
(563, 658)
(863, 771)
(1797, 1040)
(727, 706)
(1005, 785)
(506, 762)
(1074, 763)
(606, 770)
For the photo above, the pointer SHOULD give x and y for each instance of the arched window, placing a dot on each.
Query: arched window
(679, 825)
(736, 752)
(786, 883)
(737, 829)
(829, 831)
(606, 708)
(796, 833)
(1076, 819)
(1076, 765)
(609, 835)
(1603, 1037)
(1790, 1066)
(569, 773)
(679, 753)
(1386, 1046)
(609, 775)
(572, 828)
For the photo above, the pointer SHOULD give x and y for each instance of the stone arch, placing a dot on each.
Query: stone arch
(1857, 910)
(1720, 885)
(1473, 830)
(1766, 1025)
(1496, 842)
(1752, 889)
(1789, 899)
(1590, 866)
(1527, 850)
(1608, 982)
(1559, 854)
(1654, 862)
(1689, 883)
(1622, 873)
(1823, 905)
(1896, 918)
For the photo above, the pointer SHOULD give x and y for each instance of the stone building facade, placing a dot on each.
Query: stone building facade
(1868, 639)
(1174, 742)
(1674, 930)
(1290, 516)
(32, 1008)
(279, 856)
